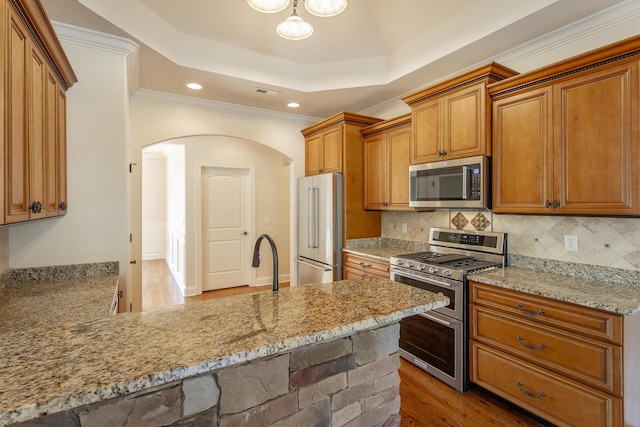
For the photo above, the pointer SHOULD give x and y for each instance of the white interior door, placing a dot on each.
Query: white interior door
(227, 205)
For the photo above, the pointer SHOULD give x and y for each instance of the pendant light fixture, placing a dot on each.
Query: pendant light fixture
(268, 6)
(325, 8)
(294, 27)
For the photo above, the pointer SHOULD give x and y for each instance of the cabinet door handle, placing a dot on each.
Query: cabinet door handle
(35, 207)
(529, 346)
(528, 312)
(528, 393)
(547, 204)
(556, 204)
(62, 206)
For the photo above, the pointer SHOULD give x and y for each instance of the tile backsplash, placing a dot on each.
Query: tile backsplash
(605, 241)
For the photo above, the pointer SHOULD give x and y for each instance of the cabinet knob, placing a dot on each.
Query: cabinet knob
(62, 206)
(35, 207)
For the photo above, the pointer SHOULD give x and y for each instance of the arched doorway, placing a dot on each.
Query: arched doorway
(182, 233)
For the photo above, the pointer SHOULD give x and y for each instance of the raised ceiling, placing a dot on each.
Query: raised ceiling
(375, 51)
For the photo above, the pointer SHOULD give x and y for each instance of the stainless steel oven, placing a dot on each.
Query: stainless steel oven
(436, 341)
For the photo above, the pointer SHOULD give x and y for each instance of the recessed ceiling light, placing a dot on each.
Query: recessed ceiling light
(194, 86)
(293, 105)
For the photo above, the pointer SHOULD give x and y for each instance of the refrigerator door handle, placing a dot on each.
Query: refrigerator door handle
(315, 265)
(310, 215)
(316, 219)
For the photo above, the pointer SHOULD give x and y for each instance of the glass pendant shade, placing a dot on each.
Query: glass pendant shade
(325, 8)
(268, 6)
(294, 28)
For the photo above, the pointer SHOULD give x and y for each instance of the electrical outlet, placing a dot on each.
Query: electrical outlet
(570, 243)
(404, 227)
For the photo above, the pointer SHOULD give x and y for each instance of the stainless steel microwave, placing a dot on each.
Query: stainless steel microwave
(455, 184)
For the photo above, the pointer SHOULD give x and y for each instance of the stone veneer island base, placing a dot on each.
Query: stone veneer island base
(312, 355)
(352, 381)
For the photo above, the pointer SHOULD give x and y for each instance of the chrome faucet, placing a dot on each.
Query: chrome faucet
(274, 253)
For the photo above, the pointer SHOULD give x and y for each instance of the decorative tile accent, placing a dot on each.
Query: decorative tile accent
(603, 241)
(480, 222)
(459, 221)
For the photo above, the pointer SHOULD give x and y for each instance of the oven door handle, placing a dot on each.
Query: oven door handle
(436, 319)
(422, 278)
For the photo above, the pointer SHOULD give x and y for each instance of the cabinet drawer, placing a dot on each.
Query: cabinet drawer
(570, 317)
(544, 393)
(367, 265)
(589, 361)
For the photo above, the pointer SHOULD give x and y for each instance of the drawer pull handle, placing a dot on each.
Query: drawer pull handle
(529, 346)
(528, 312)
(528, 393)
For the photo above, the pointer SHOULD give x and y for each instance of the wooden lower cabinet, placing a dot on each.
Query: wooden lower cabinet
(551, 396)
(566, 363)
(356, 266)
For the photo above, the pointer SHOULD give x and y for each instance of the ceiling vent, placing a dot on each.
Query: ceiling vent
(267, 91)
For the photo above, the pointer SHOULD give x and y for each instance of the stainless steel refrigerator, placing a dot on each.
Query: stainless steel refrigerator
(320, 227)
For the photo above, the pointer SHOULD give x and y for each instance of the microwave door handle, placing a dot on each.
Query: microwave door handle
(465, 182)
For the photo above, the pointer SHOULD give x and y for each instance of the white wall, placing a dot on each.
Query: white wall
(95, 227)
(175, 208)
(272, 199)
(157, 117)
(154, 205)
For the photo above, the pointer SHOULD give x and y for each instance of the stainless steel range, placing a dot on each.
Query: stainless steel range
(436, 341)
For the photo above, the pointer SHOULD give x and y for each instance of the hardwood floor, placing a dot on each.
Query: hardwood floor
(425, 401)
(159, 288)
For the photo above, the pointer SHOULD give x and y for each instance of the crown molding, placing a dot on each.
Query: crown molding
(222, 107)
(95, 39)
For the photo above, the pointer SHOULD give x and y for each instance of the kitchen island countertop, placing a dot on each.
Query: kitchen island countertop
(52, 368)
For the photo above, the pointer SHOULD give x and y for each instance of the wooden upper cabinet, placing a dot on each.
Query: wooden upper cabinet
(61, 149)
(323, 151)
(565, 140)
(335, 145)
(37, 76)
(522, 179)
(596, 150)
(387, 154)
(16, 144)
(451, 120)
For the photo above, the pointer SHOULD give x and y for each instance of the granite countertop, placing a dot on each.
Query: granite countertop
(383, 248)
(46, 369)
(25, 306)
(604, 295)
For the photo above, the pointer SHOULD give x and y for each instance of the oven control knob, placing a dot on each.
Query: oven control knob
(447, 273)
(399, 262)
(410, 264)
(433, 270)
(421, 267)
